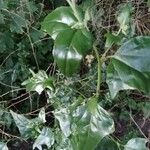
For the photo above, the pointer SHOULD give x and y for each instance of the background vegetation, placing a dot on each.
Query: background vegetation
(32, 85)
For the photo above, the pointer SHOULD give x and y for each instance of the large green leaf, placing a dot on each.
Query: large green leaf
(61, 19)
(45, 138)
(136, 144)
(91, 127)
(87, 125)
(129, 68)
(72, 39)
(69, 49)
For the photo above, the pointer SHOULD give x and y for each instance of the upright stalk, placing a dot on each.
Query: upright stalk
(99, 68)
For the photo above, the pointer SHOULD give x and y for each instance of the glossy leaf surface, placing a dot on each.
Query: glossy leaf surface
(69, 48)
(136, 144)
(91, 127)
(130, 67)
(61, 19)
(87, 127)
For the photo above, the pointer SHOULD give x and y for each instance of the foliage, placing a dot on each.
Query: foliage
(72, 39)
(68, 101)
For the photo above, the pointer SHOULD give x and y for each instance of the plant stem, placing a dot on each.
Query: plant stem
(99, 67)
(73, 7)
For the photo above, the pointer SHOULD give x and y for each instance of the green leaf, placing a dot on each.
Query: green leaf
(90, 128)
(136, 144)
(61, 19)
(46, 137)
(21, 122)
(39, 82)
(135, 53)
(130, 67)
(86, 126)
(72, 39)
(69, 49)
(27, 128)
(112, 39)
(114, 81)
(64, 121)
(19, 22)
(3, 146)
(92, 104)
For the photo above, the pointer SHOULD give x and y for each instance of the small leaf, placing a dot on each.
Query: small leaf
(45, 138)
(39, 82)
(112, 39)
(136, 144)
(61, 19)
(69, 49)
(3, 146)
